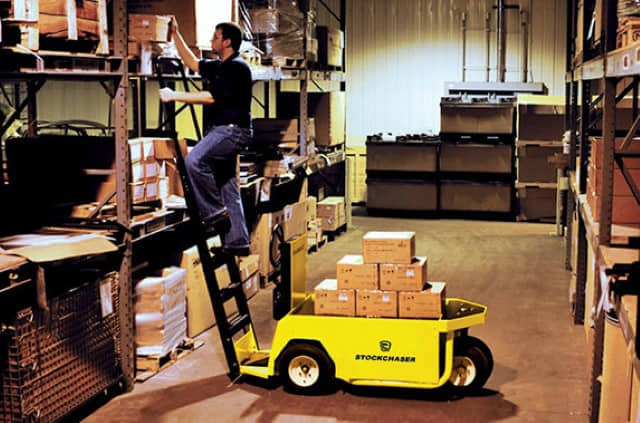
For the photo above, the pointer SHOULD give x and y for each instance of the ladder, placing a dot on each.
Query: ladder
(219, 296)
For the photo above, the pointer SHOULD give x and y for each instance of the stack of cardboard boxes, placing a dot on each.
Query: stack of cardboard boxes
(387, 280)
(160, 308)
(154, 174)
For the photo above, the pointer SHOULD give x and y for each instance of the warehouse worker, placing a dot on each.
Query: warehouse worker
(211, 164)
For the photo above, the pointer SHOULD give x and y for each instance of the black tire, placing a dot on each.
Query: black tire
(315, 379)
(472, 365)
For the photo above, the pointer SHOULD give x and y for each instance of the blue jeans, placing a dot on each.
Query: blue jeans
(211, 166)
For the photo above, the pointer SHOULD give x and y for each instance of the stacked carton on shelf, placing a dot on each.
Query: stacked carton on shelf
(160, 307)
(388, 280)
(154, 173)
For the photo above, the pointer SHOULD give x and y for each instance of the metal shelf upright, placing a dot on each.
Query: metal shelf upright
(605, 240)
(114, 79)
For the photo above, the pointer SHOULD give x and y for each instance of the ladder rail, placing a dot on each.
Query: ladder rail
(218, 296)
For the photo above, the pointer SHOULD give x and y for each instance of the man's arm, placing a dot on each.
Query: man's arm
(202, 97)
(185, 52)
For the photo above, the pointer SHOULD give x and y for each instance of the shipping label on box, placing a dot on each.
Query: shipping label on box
(151, 192)
(137, 192)
(135, 150)
(404, 277)
(376, 303)
(353, 273)
(389, 247)
(151, 170)
(163, 187)
(137, 172)
(427, 304)
(331, 301)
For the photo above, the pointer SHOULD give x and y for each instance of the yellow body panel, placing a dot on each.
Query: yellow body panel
(414, 353)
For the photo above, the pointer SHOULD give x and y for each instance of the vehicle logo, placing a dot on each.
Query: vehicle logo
(385, 346)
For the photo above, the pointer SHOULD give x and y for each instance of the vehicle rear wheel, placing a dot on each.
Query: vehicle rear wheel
(472, 364)
(305, 369)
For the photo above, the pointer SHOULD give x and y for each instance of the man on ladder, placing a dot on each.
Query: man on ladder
(211, 165)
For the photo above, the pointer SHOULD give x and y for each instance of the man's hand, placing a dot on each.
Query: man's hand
(167, 95)
(173, 27)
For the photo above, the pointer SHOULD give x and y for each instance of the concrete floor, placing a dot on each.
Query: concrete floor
(516, 269)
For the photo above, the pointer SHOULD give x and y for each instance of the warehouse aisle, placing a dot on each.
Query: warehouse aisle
(516, 269)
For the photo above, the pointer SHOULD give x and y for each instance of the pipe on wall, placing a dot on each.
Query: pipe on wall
(487, 28)
(502, 40)
(464, 46)
(525, 44)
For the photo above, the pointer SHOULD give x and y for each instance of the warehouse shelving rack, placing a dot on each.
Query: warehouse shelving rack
(609, 243)
(114, 79)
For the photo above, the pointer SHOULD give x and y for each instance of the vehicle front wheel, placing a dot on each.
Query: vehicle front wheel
(305, 369)
(472, 364)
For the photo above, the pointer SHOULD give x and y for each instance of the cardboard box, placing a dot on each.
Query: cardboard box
(617, 374)
(390, 194)
(171, 172)
(536, 203)
(137, 172)
(353, 273)
(200, 315)
(376, 303)
(330, 46)
(476, 158)
(312, 204)
(248, 266)
(620, 186)
(261, 239)
(404, 277)
(389, 247)
(427, 304)
(331, 301)
(251, 286)
(163, 187)
(532, 164)
(475, 196)
(330, 119)
(149, 27)
(597, 152)
(331, 212)
(541, 121)
(137, 192)
(183, 10)
(476, 119)
(295, 220)
(151, 190)
(280, 130)
(135, 150)
(151, 170)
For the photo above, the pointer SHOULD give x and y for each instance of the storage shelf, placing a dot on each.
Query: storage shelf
(60, 75)
(622, 62)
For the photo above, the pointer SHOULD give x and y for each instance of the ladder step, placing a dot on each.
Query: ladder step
(239, 323)
(230, 291)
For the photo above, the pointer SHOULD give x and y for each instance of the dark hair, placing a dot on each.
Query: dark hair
(231, 31)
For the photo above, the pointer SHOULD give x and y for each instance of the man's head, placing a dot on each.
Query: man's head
(227, 35)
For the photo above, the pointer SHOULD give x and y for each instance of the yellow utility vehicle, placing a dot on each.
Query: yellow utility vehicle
(310, 351)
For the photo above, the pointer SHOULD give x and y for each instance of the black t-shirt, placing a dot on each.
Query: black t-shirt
(230, 84)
